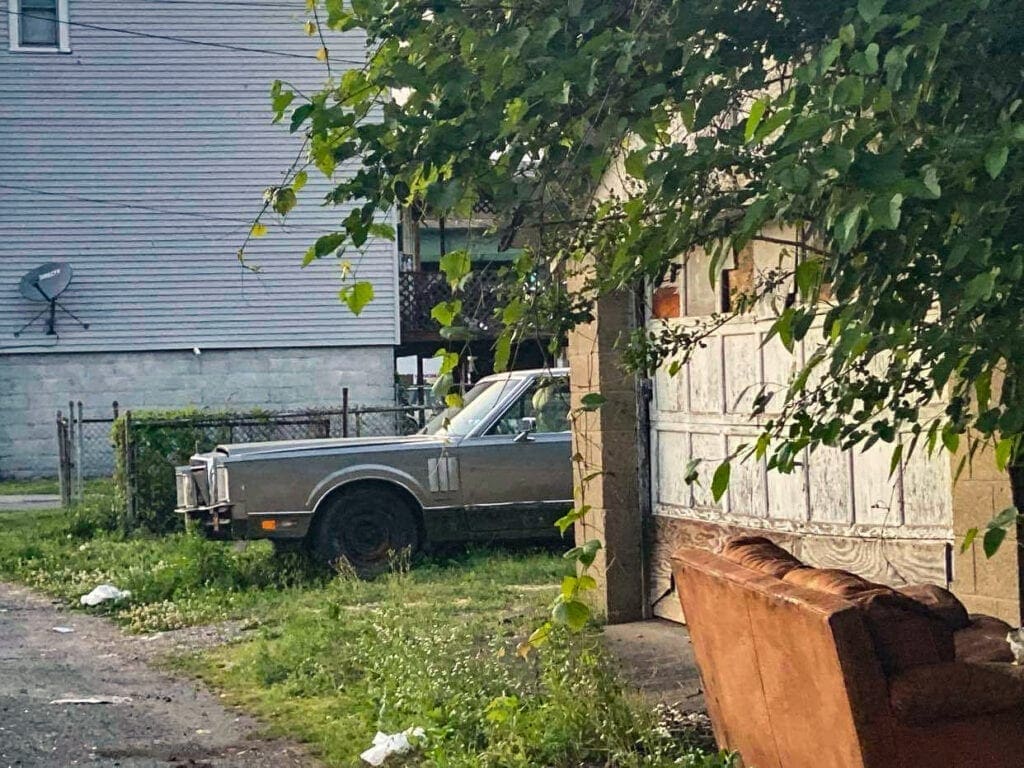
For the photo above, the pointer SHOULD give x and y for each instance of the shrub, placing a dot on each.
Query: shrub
(160, 441)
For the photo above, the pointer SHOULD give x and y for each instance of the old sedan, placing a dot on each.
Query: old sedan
(496, 468)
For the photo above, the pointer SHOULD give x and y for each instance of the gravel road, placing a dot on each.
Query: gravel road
(152, 719)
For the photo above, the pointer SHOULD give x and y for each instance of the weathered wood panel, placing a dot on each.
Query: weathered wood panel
(890, 561)
(840, 508)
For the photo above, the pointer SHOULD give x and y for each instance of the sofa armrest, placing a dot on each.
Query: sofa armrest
(955, 690)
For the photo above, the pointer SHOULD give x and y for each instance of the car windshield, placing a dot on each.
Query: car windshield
(459, 422)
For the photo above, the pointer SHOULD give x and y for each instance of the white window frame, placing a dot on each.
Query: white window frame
(63, 30)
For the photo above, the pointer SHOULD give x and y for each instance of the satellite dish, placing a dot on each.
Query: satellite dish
(46, 283)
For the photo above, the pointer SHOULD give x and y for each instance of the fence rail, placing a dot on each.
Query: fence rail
(143, 454)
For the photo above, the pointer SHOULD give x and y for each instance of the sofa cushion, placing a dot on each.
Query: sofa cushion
(832, 581)
(905, 634)
(904, 631)
(954, 691)
(760, 554)
(942, 604)
(984, 639)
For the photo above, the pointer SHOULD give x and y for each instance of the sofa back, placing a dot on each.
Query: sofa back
(782, 665)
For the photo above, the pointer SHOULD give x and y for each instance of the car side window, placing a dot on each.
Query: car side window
(547, 401)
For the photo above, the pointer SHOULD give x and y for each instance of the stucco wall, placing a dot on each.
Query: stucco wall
(34, 387)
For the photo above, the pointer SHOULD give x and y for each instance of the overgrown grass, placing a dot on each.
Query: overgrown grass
(42, 487)
(334, 659)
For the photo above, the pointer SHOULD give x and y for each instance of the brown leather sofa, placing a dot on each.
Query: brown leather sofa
(818, 668)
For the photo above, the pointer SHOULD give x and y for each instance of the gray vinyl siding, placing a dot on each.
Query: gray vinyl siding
(156, 154)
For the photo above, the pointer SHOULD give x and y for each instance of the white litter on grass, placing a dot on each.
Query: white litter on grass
(387, 744)
(104, 592)
(63, 630)
(95, 700)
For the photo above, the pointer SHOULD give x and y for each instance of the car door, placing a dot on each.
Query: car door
(514, 485)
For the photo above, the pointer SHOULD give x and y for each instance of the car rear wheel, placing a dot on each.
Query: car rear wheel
(366, 526)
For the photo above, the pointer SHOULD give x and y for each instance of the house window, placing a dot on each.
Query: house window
(39, 26)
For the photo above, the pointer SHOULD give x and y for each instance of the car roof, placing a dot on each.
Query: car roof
(525, 374)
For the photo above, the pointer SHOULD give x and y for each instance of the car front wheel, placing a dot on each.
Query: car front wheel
(366, 527)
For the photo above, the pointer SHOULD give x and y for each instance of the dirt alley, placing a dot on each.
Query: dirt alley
(155, 720)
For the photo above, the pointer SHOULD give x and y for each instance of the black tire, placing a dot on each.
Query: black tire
(365, 526)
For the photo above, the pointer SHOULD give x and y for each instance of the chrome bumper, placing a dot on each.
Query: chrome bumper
(195, 503)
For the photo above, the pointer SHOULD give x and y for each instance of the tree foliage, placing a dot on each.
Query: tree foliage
(887, 134)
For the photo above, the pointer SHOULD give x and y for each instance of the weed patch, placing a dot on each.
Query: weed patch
(333, 659)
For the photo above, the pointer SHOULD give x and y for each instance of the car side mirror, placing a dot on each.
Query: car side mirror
(527, 426)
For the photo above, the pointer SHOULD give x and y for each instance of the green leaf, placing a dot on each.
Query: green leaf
(442, 385)
(849, 91)
(453, 400)
(951, 440)
(446, 312)
(846, 229)
(979, 288)
(569, 519)
(300, 115)
(357, 296)
(992, 540)
(279, 100)
(894, 460)
(456, 267)
(327, 244)
(772, 124)
(568, 586)
(502, 351)
(754, 118)
(587, 552)
(720, 480)
(1005, 519)
(258, 229)
(969, 537)
(1004, 451)
(808, 273)
(300, 180)
(573, 614)
(592, 401)
(995, 159)
(449, 361)
(869, 10)
(283, 200)
(636, 164)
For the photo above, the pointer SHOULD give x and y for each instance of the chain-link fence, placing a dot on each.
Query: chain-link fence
(143, 449)
(84, 447)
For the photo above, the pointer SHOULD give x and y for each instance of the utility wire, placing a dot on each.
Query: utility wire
(189, 41)
(140, 207)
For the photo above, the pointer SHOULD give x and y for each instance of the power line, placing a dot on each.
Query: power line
(186, 40)
(141, 207)
(222, 4)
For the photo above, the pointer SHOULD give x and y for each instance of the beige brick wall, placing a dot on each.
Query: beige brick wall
(604, 441)
(985, 585)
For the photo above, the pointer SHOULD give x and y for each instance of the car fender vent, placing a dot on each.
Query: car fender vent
(443, 474)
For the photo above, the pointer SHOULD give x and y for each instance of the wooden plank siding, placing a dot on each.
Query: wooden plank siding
(141, 162)
(838, 509)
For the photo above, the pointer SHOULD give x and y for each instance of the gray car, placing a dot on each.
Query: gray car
(497, 468)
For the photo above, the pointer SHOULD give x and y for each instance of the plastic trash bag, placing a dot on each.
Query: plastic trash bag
(104, 592)
(387, 744)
